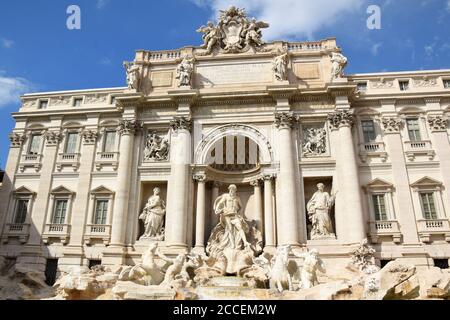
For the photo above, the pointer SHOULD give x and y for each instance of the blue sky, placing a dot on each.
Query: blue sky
(39, 53)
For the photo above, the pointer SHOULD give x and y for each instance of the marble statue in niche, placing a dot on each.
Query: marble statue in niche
(319, 207)
(315, 142)
(153, 217)
(133, 75)
(339, 62)
(234, 239)
(184, 72)
(156, 148)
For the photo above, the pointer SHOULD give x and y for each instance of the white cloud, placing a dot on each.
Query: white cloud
(105, 61)
(6, 43)
(11, 88)
(289, 18)
(102, 3)
(448, 5)
(375, 48)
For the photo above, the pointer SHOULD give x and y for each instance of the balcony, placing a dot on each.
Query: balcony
(419, 148)
(99, 232)
(427, 228)
(30, 161)
(388, 228)
(107, 159)
(68, 160)
(372, 149)
(19, 231)
(54, 232)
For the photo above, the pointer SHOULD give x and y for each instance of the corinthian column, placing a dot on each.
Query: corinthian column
(179, 183)
(200, 215)
(350, 223)
(287, 211)
(127, 130)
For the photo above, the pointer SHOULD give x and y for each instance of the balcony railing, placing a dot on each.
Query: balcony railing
(100, 232)
(430, 227)
(30, 161)
(414, 148)
(31, 158)
(107, 158)
(17, 230)
(68, 160)
(56, 231)
(385, 228)
(372, 149)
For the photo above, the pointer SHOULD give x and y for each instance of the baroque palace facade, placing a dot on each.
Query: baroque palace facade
(94, 176)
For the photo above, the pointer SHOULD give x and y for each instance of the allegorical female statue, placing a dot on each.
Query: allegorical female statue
(319, 213)
(153, 217)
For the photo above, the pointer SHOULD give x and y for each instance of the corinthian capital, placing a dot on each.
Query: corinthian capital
(199, 177)
(16, 139)
(438, 123)
(181, 123)
(391, 125)
(340, 118)
(89, 136)
(127, 127)
(284, 120)
(53, 137)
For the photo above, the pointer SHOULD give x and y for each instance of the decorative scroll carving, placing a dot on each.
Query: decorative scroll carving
(53, 137)
(425, 82)
(382, 84)
(89, 136)
(340, 118)
(438, 123)
(181, 123)
(284, 120)
(16, 139)
(129, 126)
(391, 125)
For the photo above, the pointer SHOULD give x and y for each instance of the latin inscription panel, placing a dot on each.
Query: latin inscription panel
(238, 73)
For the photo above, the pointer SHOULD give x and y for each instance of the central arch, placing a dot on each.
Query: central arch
(203, 151)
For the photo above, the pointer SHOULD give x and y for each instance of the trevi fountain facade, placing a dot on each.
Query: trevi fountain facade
(236, 164)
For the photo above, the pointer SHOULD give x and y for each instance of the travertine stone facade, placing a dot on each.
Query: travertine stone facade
(83, 164)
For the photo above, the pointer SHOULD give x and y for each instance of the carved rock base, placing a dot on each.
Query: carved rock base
(125, 290)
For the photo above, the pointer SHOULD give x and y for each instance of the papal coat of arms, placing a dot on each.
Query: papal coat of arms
(234, 33)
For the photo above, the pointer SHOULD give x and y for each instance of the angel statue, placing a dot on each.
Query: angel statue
(211, 36)
(133, 74)
(153, 216)
(253, 32)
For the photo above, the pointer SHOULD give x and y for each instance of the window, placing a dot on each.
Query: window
(35, 144)
(59, 214)
(368, 128)
(428, 206)
(441, 263)
(379, 207)
(101, 211)
(43, 104)
(404, 85)
(362, 87)
(71, 143)
(447, 83)
(413, 129)
(21, 211)
(113, 100)
(51, 269)
(77, 102)
(110, 141)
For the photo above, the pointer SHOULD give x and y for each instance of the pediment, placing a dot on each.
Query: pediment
(379, 184)
(102, 190)
(61, 190)
(24, 190)
(426, 182)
